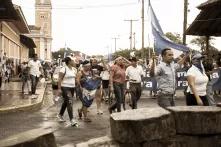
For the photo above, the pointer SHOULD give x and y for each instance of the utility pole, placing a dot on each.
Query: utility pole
(185, 20)
(142, 17)
(131, 32)
(134, 40)
(115, 43)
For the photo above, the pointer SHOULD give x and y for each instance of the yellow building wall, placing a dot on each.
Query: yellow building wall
(11, 42)
(11, 45)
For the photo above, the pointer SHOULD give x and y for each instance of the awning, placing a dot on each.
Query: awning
(27, 41)
(208, 22)
(7, 11)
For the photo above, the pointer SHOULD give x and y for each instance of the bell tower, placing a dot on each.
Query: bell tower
(43, 20)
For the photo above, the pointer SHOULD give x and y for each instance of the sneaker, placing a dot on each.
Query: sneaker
(99, 112)
(74, 123)
(33, 96)
(60, 118)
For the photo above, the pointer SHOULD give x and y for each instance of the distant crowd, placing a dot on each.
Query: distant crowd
(97, 80)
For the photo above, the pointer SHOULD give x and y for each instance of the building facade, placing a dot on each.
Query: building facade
(41, 33)
(14, 47)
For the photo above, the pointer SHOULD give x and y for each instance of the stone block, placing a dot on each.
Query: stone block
(32, 138)
(198, 141)
(169, 142)
(197, 120)
(141, 125)
(105, 141)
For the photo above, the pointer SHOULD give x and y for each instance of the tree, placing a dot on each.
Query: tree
(212, 55)
(61, 52)
(138, 53)
(201, 42)
(123, 52)
(175, 37)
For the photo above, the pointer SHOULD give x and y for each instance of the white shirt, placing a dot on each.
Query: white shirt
(105, 75)
(34, 67)
(201, 80)
(134, 74)
(69, 76)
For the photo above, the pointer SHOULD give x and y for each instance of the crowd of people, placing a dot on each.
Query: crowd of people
(96, 80)
(199, 90)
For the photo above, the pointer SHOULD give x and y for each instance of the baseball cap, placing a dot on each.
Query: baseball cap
(197, 56)
(133, 59)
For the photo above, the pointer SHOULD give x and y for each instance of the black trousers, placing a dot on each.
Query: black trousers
(135, 91)
(191, 100)
(34, 82)
(67, 101)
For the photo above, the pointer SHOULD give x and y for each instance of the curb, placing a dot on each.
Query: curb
(34, 106)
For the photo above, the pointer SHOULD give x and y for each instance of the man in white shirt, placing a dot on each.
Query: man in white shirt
(134, 74)
(35, 70)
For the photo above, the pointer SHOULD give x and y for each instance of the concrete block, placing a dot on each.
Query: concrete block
(197, 120)
(141, 125)
(32, 138)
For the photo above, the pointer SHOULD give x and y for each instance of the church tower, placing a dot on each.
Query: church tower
(43, 28)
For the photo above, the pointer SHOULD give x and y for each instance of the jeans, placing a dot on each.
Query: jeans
(209, 92)
(119, 94)
(34, 82)
(135, 91)
(67, 101)
(25, 82)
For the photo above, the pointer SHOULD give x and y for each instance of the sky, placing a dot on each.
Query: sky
(89, 26)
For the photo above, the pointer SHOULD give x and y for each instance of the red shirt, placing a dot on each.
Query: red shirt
(118, 74)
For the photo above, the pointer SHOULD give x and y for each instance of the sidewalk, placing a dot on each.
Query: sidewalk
(12, 100)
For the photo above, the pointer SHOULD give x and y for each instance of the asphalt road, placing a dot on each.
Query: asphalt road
(14, 123)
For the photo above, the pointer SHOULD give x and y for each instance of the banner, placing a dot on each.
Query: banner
(150, 83)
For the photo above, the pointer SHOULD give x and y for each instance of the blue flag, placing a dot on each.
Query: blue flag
(160, 40)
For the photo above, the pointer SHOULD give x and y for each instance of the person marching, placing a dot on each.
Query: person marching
(197, 81)
(88, 83)
(25, 77)
(165, 75)
(96, 71)
(117, 83)
(35, 70)
(66, 87)
(134, 74)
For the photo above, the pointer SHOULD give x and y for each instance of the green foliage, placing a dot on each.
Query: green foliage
(124, 53)
(213, 54)
(201, 42)
(140, 54)
(175, 37)
(61, 53)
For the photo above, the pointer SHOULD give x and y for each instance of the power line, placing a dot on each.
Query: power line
(88, 6)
